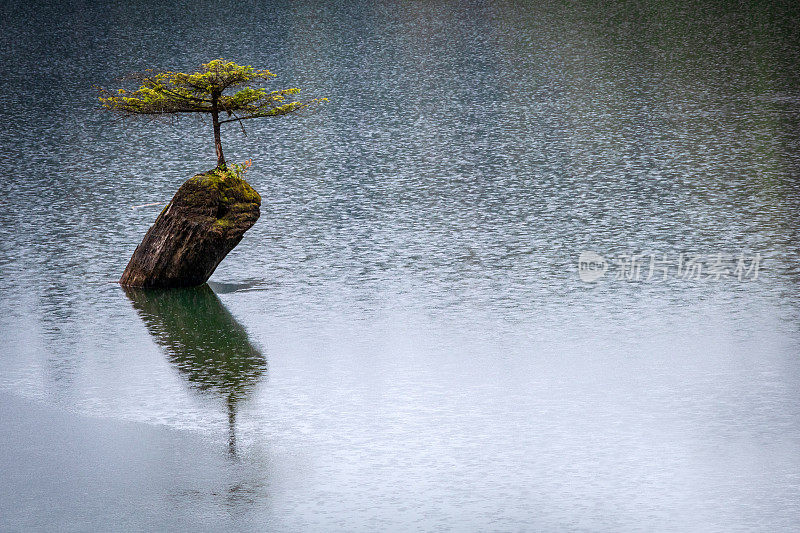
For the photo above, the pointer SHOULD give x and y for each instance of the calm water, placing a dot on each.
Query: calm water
(403, 341)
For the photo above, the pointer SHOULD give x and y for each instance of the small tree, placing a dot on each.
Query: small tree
(207, 91)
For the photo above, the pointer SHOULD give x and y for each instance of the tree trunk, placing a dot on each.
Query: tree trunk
(205, 220)
(217, 138)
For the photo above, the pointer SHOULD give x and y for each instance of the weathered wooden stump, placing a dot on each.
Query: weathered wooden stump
(205, 220)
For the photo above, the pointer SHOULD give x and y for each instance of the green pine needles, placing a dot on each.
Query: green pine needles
(220, 87)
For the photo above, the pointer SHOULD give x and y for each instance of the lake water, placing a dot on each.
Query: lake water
(403, 341)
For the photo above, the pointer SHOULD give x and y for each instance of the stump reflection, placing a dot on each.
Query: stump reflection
(204, 341)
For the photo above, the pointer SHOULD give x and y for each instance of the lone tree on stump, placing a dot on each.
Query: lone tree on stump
(175, 93)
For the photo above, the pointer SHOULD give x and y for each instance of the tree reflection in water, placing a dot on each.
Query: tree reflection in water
(204, 341)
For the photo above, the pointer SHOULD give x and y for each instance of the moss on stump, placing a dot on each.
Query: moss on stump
(205, 220)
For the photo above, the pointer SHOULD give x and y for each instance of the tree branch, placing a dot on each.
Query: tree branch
(266, 114)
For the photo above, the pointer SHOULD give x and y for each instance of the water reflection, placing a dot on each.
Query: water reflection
(205, 342)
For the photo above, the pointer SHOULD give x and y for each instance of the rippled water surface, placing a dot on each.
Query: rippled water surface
(403, 341)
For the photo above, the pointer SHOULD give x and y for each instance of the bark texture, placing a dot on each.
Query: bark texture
(205, 220)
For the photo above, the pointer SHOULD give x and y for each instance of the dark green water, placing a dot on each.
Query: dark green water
(403, 341)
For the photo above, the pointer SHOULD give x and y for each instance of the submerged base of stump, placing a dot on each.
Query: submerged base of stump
(205, 220)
